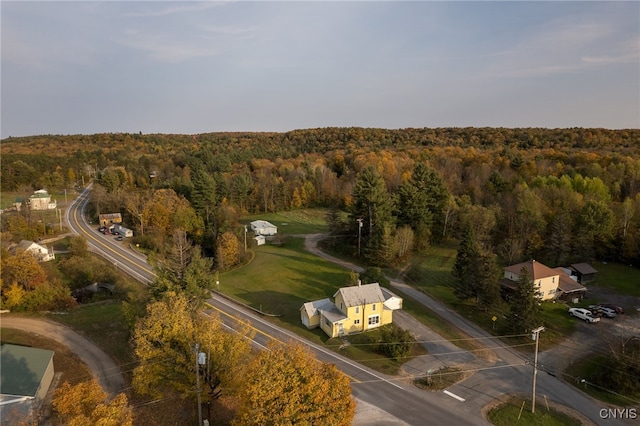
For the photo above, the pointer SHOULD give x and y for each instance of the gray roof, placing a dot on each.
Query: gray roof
(361, 294)
(333, 314)
(22, 369)
(313, 308)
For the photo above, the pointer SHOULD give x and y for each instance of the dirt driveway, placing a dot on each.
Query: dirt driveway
(100, 364)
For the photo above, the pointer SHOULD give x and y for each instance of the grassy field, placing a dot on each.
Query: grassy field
(280, 279)
(621, 278)
(303, 221)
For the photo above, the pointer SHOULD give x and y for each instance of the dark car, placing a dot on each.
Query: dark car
(616, 308)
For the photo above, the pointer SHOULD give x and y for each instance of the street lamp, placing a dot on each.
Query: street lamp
(359, 234)
(535, 335)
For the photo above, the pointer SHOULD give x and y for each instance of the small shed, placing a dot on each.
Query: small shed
(107, 219)
(25, 376)
(259, 239)
(585, 272)
(262, 227)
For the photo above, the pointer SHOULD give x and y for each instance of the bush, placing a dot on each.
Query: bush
(395, 342)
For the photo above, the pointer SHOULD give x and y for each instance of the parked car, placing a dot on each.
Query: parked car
(608, 312)
(616, 308)
(583, 314)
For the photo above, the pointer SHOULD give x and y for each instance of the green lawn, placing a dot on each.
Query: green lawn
(8, 198)
(621, 278)
(303, 221)
(281, 278)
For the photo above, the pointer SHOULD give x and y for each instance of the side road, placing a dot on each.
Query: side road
(100, 364)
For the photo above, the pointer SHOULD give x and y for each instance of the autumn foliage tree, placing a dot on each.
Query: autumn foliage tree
(164, 344)
(287, 385)
(86, 404)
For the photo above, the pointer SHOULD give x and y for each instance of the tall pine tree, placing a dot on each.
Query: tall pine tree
(524, 314)
(465, 267)
(373, 204)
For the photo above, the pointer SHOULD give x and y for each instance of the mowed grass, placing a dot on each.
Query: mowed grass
(303, 221)
(8, 198)
(621, 278)
(281, 278)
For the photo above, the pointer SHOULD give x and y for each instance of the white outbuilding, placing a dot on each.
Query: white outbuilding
(262, 227)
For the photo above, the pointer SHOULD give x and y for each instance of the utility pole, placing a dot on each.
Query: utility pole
(535, 335)
(198, 383)
(359, 234)
(245, 238)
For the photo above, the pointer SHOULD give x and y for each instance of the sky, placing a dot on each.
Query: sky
(196, 67)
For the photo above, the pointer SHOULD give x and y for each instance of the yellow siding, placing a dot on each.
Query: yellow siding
(547, 284)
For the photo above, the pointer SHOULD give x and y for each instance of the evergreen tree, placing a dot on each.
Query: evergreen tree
(524, 314)
(488, 285)
(466, 266)
(373, 204)
(203, 194)
(422, 202)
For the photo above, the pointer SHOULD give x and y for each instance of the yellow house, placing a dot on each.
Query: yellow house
(545, 280)
(354, 310)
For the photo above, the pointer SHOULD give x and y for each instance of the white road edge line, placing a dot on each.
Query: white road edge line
(453, 395)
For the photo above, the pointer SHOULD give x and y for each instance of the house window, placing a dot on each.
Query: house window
(552, 291)
(341, 306)
(374, 307)
(374, 320)
(327, 322)
(553, 280)
(357, 309)
(356, 322)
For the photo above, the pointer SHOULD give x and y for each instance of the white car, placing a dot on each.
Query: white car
(583, 314)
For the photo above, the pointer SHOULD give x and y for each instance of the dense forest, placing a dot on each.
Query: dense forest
(556, 195)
